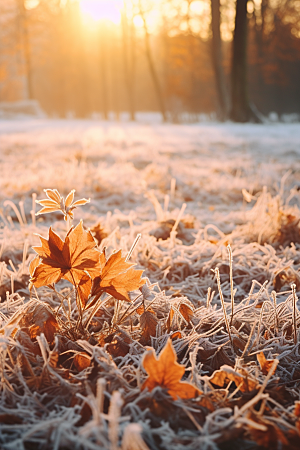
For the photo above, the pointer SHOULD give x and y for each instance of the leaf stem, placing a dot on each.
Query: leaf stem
(97, 306)
(78, 303)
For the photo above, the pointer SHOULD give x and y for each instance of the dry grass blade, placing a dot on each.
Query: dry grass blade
(223, 304)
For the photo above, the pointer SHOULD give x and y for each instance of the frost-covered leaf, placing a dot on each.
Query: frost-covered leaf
(266, 364)
(148, 322)
(165, 372)
(227, 374)
(117, 277)
(82, 361)
(74, 259)
(55, 202)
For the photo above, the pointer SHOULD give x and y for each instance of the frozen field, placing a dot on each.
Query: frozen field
(120, 163)
(190, 191)
(140, 174)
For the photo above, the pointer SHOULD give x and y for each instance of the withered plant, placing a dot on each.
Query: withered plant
(77, 260)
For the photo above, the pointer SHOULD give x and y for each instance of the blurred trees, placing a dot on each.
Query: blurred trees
(129, 55)
(178, 57)
(152, 65)
(217, 59)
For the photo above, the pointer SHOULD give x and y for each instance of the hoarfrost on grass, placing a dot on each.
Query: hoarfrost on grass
(240, 185)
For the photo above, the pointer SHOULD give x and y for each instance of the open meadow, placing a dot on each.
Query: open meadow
(214, 210)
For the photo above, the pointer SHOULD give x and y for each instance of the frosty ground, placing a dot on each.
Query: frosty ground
(139, 174)
(190, 190)
(116, 164)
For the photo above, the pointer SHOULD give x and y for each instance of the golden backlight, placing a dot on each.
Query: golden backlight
(102, 9)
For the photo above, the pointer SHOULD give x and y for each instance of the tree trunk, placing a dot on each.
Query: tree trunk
(103, 73)
(26, 47)
(152, 68)
(217, 61)
(129, 61)
(241, 111)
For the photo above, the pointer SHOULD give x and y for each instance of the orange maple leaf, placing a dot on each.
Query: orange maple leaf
(55, 202)
(74, 259)
(167, 373)
(117, 277)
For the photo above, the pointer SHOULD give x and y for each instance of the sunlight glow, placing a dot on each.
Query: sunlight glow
(31, 4)
(102, 9)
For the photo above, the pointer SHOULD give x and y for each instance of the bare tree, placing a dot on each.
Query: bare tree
(103, 70)
(241, 111)
(222, 90)
(152, 67)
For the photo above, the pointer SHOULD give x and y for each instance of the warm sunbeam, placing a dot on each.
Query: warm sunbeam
(102, 9)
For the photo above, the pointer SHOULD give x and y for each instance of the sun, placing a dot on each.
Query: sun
(102, 9)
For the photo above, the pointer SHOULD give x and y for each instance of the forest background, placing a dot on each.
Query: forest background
(229, 59)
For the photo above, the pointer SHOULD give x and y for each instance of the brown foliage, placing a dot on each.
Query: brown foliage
(185, 309)
(148, 322)
(98, 232)
(266, 364)
(241, 378)
(270, 436)
(39, 320)
(82, 361)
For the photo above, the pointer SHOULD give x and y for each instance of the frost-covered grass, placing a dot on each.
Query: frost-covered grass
(190, 190)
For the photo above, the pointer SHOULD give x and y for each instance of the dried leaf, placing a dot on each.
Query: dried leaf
(84, 289)
(117, 278)
(176, 335)
(56, 202)
(118, 347)
(23, 336)
(148, 322)
(71, 259)
(297, 409)
(82, 361)
(206, 403)
(239, 344)
(270, 436)
(218, 359)
(40, 320)
(69, 198)
(227, 373)
(98, 232)
(10, 419)
(142, 309)
(33, 264)
(266, 364)
(185, 309)
(167, 373)
(170, 319)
